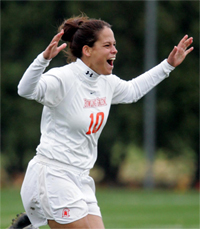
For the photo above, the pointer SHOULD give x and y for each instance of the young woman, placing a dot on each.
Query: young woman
(57, 189)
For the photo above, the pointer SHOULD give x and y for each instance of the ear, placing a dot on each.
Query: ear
(86, 50)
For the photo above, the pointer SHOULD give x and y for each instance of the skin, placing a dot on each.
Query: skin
(104, 49)
(180, 51)
(88, 222)
(96, 58)
(175, 58)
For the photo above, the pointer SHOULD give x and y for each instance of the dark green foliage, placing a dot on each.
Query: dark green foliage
(27, 28)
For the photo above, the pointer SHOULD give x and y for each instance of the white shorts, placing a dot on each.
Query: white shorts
(55, 191)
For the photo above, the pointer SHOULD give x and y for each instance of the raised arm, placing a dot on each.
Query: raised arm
(32, 75)
(133, 90)
(52, 50)
(180, 51)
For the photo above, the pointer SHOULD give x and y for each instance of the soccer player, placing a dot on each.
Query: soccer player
(57, 189)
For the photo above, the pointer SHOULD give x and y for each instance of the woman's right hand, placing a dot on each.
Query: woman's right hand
(52, 50)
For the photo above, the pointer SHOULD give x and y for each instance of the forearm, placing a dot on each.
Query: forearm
(147, 81)
(31, 77)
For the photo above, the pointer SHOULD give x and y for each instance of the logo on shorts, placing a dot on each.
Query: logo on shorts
(65, 213)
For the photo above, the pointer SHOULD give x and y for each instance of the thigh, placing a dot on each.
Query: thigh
(66, 201)
(95, 222)
(88, 222)
(81, 223)
(30, 197)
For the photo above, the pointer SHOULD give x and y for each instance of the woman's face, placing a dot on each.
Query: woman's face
(103, 53)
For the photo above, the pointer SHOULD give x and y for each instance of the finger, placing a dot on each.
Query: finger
(189, 41)
(173, 52)
(51, 45)
(62, 47)
(185, 42)
(184, 39)
(58, 36)
(189, 50)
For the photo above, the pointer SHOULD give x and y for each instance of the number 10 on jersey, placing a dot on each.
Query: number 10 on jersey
(96, 122)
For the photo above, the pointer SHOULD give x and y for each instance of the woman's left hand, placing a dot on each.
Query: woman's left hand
(180, 51)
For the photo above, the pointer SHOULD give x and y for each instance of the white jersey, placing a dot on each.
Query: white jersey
(76, 105)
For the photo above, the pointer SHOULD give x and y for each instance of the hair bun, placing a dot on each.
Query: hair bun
(70, 27)
(69, 31)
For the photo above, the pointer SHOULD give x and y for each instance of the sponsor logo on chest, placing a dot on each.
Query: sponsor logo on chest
(98, 102)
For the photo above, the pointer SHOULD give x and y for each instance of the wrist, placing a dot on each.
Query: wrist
(42, 59)
(170, 63)
(45, 56)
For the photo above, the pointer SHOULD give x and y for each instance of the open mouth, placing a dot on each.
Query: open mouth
(111, 61)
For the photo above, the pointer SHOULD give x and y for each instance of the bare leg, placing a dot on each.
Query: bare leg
(95, 222)
(88, 222)
(81, 223)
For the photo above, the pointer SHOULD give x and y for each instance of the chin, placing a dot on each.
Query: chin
(107, 73)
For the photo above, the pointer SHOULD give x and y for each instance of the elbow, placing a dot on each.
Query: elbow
(20, 91)
(23, 93)
(134, 99)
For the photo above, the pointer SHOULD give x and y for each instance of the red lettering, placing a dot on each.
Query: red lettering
(98, 102)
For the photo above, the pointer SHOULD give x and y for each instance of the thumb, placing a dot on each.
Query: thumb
(174, 50)
(170, 58)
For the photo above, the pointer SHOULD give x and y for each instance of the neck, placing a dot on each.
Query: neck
(87, 62)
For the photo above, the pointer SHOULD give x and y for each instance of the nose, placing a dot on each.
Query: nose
(114, 50)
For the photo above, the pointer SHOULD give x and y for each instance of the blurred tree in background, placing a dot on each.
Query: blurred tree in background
(27, 27)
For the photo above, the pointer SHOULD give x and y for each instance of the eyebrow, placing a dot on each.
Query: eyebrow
(110, 42)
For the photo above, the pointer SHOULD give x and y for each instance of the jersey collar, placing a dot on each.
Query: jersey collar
(86, 72)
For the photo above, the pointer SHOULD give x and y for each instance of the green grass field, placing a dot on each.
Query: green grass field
(125, 208)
